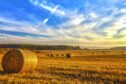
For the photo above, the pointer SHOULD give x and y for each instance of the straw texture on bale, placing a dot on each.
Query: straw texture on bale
(1, 56)
(17, 60)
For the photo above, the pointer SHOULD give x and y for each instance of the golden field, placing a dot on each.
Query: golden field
(84, 67)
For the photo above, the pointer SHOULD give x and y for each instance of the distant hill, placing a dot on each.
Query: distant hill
(119, 48)
(40, 47)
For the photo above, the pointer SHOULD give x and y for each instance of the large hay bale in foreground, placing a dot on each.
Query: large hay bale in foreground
(17, 60)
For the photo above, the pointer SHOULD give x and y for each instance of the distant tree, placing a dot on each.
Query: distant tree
(119, 48)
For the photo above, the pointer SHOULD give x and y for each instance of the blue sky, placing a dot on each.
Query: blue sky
(89, 23)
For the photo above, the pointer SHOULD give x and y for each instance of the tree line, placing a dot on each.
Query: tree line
(119, 48)
(40, 47)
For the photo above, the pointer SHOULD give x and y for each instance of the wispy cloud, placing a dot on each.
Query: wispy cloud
(53, 9)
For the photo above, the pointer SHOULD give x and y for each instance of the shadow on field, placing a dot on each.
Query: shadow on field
(3, 73)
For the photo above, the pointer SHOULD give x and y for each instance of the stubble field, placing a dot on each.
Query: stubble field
(75, 70)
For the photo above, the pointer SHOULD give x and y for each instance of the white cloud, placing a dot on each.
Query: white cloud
(123, 10)
(18, 26)
(45, 21)
(74, 20)
(123, 32)
(11, 21)
(116, 25)
(93, 15)
(53, 9)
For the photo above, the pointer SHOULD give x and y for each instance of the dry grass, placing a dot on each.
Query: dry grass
(78, 70)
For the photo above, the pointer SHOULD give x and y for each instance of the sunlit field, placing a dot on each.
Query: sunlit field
(90, 69)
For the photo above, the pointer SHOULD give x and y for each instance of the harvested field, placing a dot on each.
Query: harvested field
(75, 70)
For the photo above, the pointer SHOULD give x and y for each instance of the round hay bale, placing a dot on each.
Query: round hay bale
(62, 55)
(17, 60)
(52, 55)
(1, 56)
(68, 55)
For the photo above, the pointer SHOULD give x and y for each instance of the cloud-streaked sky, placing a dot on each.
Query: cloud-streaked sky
(89, 23)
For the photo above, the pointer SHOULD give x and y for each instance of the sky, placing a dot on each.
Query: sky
(87, 23)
